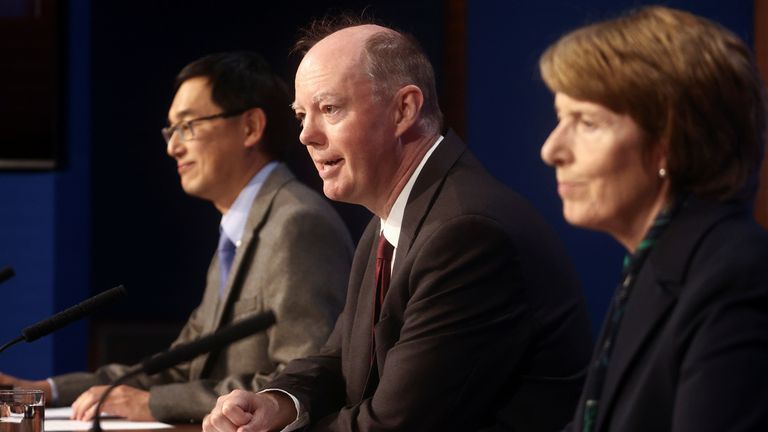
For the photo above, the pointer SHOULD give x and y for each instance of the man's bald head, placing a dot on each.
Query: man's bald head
(391, 59)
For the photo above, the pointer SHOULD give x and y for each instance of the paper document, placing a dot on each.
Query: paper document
(62, 413)
(57, 420)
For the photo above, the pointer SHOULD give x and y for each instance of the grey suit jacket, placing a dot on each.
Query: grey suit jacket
(294, 258)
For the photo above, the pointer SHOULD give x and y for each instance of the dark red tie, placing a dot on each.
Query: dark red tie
(383, 268)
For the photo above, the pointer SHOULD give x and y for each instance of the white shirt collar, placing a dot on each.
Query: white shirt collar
(394, 221)
(233, 221)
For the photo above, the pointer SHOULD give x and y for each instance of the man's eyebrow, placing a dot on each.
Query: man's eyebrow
(315, 99)
(181, 114)
(321, 97)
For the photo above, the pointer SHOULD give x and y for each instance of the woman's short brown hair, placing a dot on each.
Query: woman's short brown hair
(691, 84)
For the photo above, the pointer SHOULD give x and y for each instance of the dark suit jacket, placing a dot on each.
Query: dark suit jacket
(294, 259)
(692, 350)
(483, 313)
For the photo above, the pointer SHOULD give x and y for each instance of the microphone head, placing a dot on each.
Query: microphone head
(74, 313)
(6, 273)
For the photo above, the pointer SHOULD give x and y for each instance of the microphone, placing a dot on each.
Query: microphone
(183, 352)
(211, 342)
(61, 319)
(6, 273)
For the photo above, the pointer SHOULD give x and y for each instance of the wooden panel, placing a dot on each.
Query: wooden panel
(761, 51)
(30, 37)
(453, 101)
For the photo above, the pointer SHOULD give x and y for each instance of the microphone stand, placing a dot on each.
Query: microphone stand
(97, 417)
(11, 343)
(184, 352)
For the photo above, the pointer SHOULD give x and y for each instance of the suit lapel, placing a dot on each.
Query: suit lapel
(420, 201)
(425, 191)
(658, 286)
(257, 217)
(646, 311)
(361, 333)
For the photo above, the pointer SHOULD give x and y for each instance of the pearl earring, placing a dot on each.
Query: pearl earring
(662, 173)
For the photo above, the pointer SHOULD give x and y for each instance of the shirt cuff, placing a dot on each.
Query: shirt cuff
(54, 391)
(302, 417)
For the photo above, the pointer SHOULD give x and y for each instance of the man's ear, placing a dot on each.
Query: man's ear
(254, 122)
(408, 102)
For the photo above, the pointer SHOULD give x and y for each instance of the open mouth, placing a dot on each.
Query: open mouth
(327, 168)
(330, 163)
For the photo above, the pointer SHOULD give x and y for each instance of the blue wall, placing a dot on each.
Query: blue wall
(47, 218)
(510, 111)
(44, 230)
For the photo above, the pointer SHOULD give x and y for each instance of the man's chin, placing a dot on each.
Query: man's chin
(192, 189)
(333, 192)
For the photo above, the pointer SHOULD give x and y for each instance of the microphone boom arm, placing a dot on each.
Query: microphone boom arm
(184, 352)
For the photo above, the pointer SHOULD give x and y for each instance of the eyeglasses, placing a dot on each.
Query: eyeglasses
(186, 129)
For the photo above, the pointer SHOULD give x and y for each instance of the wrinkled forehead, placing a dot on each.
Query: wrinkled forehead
(336, 65)
(329, 61)
(329, 66)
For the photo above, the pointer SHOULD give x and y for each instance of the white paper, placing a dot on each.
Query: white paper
(62, 413)
(76, 425)
(57, 419)
(65, 413)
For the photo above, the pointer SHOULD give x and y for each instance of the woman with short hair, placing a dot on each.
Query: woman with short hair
(662, 121)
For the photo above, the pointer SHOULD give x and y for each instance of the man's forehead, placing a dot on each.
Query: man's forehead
(345, 43)
(319, 79)
(192, 96)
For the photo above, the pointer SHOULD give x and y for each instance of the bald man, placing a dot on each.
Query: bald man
(466, 326)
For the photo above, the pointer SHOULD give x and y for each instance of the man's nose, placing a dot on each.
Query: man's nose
(174, 147)
(310, 132)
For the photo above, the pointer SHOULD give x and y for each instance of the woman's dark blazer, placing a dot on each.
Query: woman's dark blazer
(692, 350)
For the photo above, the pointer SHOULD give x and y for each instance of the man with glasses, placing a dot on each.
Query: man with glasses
(282, 247)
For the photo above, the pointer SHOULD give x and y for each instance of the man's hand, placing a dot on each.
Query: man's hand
(123, 401)
(26, 384)
(244, 411)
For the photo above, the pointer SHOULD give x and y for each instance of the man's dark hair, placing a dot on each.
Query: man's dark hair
(243, 80)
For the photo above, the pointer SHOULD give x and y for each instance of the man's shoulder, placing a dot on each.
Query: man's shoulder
(284, 191)
(298, 208)
(295, 195)
(470, 189)
(471, 199)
